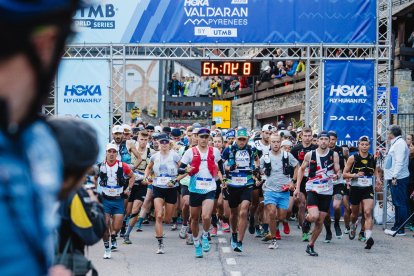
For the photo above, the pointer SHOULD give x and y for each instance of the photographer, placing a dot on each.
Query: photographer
(82, 217)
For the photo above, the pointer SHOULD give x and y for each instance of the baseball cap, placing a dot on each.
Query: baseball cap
(242, 132)
(203, 132)
(176, 132)
(281, 126)
(163, 137)
(158, 129)
(323, 133)
(126, 128)
(166, 129)
(149, 127)
(267, 127)
(196, 125)
(286, 143)
(195, 130)
(117, 129)
(231, 133)
(111, 146)
(299, 130)
(332, 133)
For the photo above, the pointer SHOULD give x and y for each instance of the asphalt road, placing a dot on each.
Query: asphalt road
(389, 256)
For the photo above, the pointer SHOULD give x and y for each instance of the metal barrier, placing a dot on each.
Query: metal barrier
(406, 121)
(179, 106)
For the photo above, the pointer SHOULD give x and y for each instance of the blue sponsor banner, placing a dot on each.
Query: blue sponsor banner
(382, 98)
(228, 21)
(348, 99)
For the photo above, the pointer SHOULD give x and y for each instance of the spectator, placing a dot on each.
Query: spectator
(182, 86)
(215, 85)
(204, 89)
(174, 86)
(135, 113)
(226, 84)
(411, 182)
(280, 70)
(234, 86)
(293, 68)
(409, 139)
(244, 82)
(192, 87)
(397, 175)
(265, 76)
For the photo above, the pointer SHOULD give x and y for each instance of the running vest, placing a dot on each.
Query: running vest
(366, 165)
(124, 153)
(340, 151)
(211, 164)
(112, 187)
(320, 170)
(287, 168)
(233, 151)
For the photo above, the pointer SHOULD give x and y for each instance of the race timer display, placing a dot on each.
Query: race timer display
(230, 68)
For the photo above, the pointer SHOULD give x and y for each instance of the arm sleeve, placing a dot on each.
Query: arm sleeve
(126, 168)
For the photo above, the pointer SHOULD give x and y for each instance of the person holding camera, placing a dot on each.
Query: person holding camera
(277, 166)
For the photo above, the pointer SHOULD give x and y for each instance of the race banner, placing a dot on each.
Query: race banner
(83, 92)
(227, 21)
(348, 99)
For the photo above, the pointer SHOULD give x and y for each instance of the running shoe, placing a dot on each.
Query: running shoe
(198, 251)
(286, 228)
(258, 233)
(338, 231)
(306, 226)
(183, 231)
(205, 244)
(139, 229)
(127, 240)
(267, 237)
(346, 231)
(107, 254)
(305, 237)
(369, 243)
(160, 249)
(174, 227)
(114, 245)
(189, 240)
(225, 227)
(214, 232)
(311, 251)
(122, 232)
(251, 225)
(233, 244)
(145, 222)
(277, 235)
(361, 236)
(273, 245)
(328, 237)
(239, 247)
(352, 232)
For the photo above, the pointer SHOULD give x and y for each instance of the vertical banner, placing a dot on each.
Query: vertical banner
(83, 92)
(348, 99)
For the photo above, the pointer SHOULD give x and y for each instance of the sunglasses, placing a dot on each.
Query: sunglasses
(242, 139)
(164, 142)
(204, 136)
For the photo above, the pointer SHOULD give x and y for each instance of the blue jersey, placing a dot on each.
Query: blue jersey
(30, 178)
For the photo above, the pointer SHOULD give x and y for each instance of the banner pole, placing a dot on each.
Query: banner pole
(253, 99)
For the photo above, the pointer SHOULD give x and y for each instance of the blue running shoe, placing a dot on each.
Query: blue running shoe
(198, 251)
(233, 244)
(239, 247)
(205, 244)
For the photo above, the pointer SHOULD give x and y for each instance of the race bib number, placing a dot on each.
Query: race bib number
(162, 180)
(205, 184)
(112, 190)
(239, 180)
(321, 187)
(365, 181)
(138, 176)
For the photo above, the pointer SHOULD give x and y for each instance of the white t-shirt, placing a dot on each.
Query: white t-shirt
(277, 179)
(202, 182)
(165, 168)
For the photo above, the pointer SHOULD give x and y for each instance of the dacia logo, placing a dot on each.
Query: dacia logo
(83, 90)
(107, 10)
(196, 3)
(347, 118)
(348, 90)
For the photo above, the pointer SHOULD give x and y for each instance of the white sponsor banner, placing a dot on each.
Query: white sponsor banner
(83, 92)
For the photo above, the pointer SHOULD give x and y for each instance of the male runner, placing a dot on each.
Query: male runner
(340, 193)
(277, 167)
(111, 184)
(361, 169)
(299, 153)
(204, 164)
(242, 160)
(323, 166)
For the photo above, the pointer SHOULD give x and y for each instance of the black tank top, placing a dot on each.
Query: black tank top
(366, 165)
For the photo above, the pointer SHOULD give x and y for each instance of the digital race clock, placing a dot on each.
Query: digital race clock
(230, 68)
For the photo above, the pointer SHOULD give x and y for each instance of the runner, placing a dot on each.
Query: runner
(242, 160)
(263, 148)
(113, 185)
(277, 166)
(139, 190)
(361, 169)
(204, 162)
(340, 192)
(163, 165)
(286, 146)
(299, 153)
(323, 166)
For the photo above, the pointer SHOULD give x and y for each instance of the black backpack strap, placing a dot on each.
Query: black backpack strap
(312, 164)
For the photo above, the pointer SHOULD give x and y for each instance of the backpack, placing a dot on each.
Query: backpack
(286, 167)
(103, 176)
(233, 151)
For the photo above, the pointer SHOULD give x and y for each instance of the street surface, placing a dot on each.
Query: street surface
(389, 256)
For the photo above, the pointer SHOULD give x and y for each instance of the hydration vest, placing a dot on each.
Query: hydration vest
(211, 164)
(366, 165)
(313, 163)
(233, 151)
(103, 176)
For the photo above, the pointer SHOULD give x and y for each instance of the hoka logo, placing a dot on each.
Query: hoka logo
(196, 3)
(83, 90)
(348, 90)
